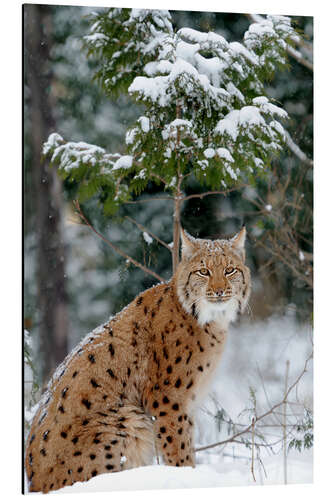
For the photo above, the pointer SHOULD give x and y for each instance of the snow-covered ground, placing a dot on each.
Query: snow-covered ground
(255, 356)
(203, 476)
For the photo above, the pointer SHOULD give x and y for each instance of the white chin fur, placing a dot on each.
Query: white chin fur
(223, 312)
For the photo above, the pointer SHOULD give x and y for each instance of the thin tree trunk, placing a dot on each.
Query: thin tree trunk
(46, 193)
(285, 450)
(176, 223)
(177, 205)
(176, 235)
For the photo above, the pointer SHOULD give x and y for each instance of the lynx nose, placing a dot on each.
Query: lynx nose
(219, 292)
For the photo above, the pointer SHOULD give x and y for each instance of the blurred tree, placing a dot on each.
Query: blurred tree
(47, 200)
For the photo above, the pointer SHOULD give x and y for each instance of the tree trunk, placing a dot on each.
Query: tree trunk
(176, 234)
(46, 193)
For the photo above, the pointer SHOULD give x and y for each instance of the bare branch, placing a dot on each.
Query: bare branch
(114, 247)
(294, 148)
(299, 57)
(159, 178)
(268, 412)
(285, 449)
(148, 200)
(144, 229)
(252, 447)
(207, 193)
(290, 265)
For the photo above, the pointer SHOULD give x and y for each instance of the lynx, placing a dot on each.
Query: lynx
(129, 390)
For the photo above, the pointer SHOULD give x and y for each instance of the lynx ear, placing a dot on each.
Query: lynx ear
(188, 245)
(238, 242)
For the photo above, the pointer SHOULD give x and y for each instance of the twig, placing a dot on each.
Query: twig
(291, 266)
(159, 178)
(268, 412)
(148, 200)
(114, 247)
(265, 392)
(207, 193)
(144, 229)
(285, 426)
(252, 448)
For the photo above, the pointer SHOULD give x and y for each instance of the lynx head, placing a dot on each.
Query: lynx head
(212, 281)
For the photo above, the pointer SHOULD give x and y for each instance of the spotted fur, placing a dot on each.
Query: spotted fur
(131, 388)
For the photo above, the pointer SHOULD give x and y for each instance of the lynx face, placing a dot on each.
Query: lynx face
(213, 283)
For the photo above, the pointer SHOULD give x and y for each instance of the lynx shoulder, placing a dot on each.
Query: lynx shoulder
(130, 389)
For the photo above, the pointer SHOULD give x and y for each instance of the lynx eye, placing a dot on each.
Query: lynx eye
(204, 272)
(229, 271)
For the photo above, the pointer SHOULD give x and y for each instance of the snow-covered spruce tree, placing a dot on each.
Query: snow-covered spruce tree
(206, 113)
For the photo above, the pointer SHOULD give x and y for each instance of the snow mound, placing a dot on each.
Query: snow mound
(150, 478)
(217, 475)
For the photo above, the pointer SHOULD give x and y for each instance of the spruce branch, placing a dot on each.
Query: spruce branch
(256, 18)
(113, 246)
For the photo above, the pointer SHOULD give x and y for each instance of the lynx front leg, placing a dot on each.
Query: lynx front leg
(174, 439)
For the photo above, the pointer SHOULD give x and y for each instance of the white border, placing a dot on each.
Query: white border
(11, 244)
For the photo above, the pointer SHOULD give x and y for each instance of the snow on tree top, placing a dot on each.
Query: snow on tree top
(98, 39)
(278, 127)
(248, 116)
(125, 161)
(161, 17)
(155, 67)
(267, 107)
(240, 49)
(206, 40)
(205, 108)
(224, 153)
(262, 28)
(161, 89)
(144, 122)
(209, 153)
(171, 129)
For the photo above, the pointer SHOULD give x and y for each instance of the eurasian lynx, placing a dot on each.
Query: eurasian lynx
(130, 389)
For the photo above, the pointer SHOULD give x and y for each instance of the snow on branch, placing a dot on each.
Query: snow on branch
(206, 111)
(297, 150)
(298, 56)
(71, 155)
(92, 167)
